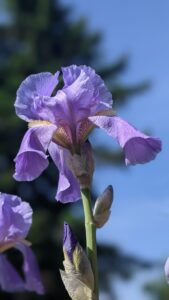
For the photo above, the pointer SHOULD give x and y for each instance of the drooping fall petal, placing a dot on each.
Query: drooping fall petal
(68, 187)
(31, 159)
(138, 147)
(10, 280)
(31, 270)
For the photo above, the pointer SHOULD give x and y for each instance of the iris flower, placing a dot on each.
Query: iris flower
(60, 121)
(15, 221)
(166, 270)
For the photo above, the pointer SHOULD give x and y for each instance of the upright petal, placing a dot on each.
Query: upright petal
(5, 218)
(31, 159)
(138, 147)
(70, 74)
(10, 280)
(31, 270)
(68, 187)
(41, 84)
(15, 218)
(101, 94)
(80, 98)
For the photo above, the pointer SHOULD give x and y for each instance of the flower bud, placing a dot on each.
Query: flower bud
(69, 242)
(166, 270)
(82, 165)
(78, 276)
(102, 207)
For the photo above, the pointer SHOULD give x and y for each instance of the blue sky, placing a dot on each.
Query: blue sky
(140, 215)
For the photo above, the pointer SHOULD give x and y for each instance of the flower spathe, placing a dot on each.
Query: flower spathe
(77, 275)
(60, 122)
(15, 221)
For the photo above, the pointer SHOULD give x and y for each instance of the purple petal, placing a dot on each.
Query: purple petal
(15, 218)
(68, 187)
(166, 270)
(10, 280)
(138, 147)
(141, 150)
(5, 218)
(80, 100)
(70, 74)
(35, 86)
(31, 270)
(69, 241)
(31, 159)
(101, 94)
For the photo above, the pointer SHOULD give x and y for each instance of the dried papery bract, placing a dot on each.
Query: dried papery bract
(78, 276)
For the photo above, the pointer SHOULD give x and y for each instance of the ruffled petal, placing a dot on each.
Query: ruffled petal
(31, 159)
(10, 280)
(31, 90)
(31, 270)
(15, 218)
(68, 187)
(101, 92)
(101, 95)
(138, 147)
(80, 100)
(5, 218)
(70, 74)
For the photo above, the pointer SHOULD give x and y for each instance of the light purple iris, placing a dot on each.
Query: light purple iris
(166, 270)
(60, 122)
(15, 221)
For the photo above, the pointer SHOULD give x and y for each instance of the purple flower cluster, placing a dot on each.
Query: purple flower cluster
(15, 222)
(60, 121)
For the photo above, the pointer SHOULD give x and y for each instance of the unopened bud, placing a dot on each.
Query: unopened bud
(102, 207)
(78, 276)
(69, 242)
(166, 270)
(82, 165)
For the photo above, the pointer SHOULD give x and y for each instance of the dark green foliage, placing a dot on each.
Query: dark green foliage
(158, 290)
(40, 36)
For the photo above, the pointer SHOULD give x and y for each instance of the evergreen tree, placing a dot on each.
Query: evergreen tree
(158, 290)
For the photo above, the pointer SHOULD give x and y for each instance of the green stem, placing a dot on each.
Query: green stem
(90, 236)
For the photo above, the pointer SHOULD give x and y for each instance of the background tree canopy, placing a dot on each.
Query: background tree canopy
(39, 35)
